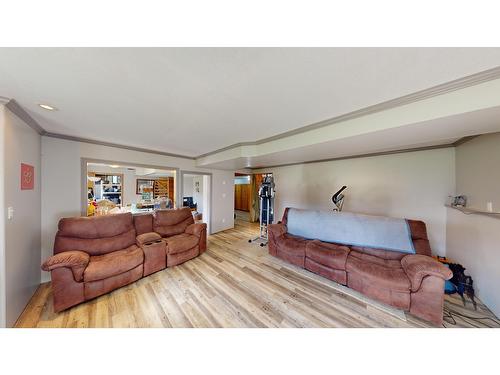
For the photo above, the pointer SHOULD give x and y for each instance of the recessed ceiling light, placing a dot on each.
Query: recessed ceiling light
(114, 166)
(47, 107)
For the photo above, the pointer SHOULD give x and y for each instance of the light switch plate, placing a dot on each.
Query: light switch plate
(10, 213)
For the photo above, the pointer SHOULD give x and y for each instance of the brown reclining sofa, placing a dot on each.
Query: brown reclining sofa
(95, 255)
(413, 283)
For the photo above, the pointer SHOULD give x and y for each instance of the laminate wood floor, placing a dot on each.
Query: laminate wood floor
(236, 284)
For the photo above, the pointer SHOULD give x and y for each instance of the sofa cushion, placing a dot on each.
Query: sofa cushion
(172, 222)
(95, 226)
(418, 230)
(369, 258)
(97, 288)
(384, 254)
(95, 246)
(292, 245)
(339, 276)
(181, 242)
(379, 274)
(111, 264)
(143, 223)
(95, 235)
(396, 298)
(178, 258)
(327, 254)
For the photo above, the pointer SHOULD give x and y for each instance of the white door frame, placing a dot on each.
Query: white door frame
(181, 194)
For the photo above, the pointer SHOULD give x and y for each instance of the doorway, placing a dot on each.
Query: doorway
(242, 197)
(246, 197)
(110, 187)
(196, 194)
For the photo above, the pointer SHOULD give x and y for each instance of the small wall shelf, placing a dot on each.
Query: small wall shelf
(470, 211)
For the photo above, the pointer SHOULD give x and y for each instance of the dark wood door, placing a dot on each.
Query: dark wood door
(242, 197)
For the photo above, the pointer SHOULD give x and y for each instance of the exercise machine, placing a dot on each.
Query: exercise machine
(338, 199)
(266, 210)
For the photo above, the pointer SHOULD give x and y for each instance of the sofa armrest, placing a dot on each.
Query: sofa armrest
(417, 267)
(76, 260)
(147, 238)
(277, 229)
(155, 252)
(196, 229)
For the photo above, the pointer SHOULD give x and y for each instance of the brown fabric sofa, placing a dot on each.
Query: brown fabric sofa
(95, 255)
(414, 282)
(185, 239)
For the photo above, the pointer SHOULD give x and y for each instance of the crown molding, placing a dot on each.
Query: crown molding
(461, 83)
(110, 144)
(382, 153)
(457, 143)
(19, 111)
(463, 140)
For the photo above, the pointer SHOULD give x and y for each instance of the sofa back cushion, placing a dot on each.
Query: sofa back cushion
(171, 222)
(143, 223)
(378, 232)
(419, 237)
(95, 235)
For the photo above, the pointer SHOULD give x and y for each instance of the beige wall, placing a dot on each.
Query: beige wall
(61, 181)
(201, 198)
(413, 185)
(474, 240)
(478, 171)
(188, 186)
(21, 144)
(198, 196)
(190, 190)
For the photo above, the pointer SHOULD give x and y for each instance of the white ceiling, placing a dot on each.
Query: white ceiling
(195, 100)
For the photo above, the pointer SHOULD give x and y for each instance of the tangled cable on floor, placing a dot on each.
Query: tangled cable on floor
(450, 315)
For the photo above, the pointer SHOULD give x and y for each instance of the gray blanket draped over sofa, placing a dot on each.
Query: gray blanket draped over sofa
(378, 232)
